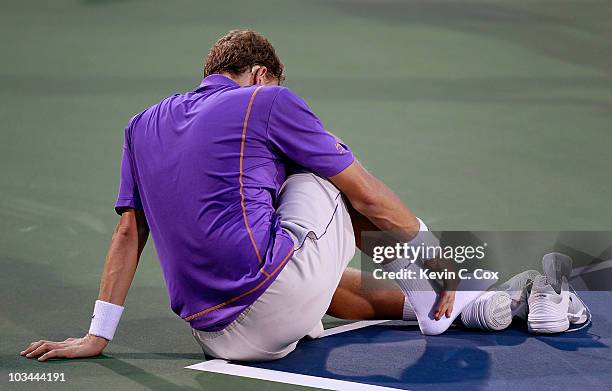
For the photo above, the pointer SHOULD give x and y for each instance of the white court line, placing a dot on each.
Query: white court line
(224, 367)
(351, 326)
(362, 324)
(591, 268)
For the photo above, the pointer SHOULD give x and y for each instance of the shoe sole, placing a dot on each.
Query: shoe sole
(492, 312)
(547, 326)
(497, 311)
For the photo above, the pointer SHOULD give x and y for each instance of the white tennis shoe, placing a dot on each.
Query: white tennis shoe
(558, 266)
(547, 305)
(490, 312)
(495, 309)
(577, 313)
(518, 288)
(548, 309)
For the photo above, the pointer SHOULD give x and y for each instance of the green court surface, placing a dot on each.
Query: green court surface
(481, 115)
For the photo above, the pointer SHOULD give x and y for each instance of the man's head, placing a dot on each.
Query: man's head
(245, 56)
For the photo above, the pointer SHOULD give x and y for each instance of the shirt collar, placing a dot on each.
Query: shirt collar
(217, 80)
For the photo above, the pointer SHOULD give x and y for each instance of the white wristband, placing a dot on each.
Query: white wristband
(105, 319)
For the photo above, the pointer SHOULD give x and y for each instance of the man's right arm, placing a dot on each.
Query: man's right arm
(373, 199)
(378, 204)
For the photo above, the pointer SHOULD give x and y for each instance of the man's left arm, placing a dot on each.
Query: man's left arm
(128, 241)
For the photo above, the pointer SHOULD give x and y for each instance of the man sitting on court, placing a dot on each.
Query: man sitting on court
(254, 209)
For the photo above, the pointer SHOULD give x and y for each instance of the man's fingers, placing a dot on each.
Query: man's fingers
(45, 350)
(32, 347)
(55, 353)
(441, 309)
(444, 306)
(48, 355)
(449, 310)
(438, 309)
(44, 347)
(35, 344)
(451, 305)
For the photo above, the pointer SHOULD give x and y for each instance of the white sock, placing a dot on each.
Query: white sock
(423, 296)
(408, 312)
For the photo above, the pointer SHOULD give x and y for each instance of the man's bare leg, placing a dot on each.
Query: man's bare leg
(351, 301)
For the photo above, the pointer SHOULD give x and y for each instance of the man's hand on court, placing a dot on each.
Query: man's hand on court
(445, 303)
(88, 346)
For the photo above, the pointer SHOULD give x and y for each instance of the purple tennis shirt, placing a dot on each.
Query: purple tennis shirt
(206, 167)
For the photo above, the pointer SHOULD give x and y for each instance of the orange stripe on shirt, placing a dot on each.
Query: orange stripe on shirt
(244, 214)
(204, 312)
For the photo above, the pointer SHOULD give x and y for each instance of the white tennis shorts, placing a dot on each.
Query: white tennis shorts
(313, 212)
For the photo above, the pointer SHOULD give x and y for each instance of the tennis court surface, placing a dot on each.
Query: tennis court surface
(491, 115)
(398, 357)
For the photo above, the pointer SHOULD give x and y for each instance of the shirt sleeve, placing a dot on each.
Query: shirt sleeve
(298, 134)
(128, 195)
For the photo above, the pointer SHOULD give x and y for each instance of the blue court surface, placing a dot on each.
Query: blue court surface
(395, 356)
